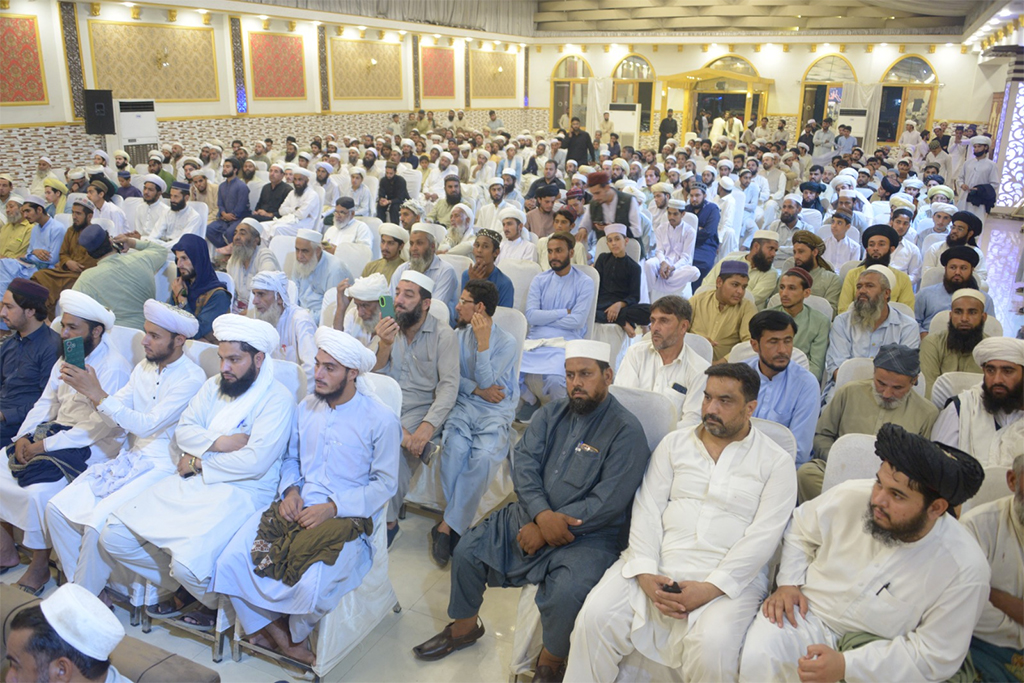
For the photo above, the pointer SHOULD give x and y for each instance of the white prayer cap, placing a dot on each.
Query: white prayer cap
(258, 334)
(156, 180)
(509, 171)
(901, 200)
(16, 198)
(334, 155)
(793, 197)
(255, 225)
(85, 307)
(204, 172)
(406, 142)
(394, 231)
(765, 235)
(103, 155)
(970, 292)
(345, 349)
(906, 160)
(615, 229)
(999, 348)
(621, 163)
(37, 200)
(326, 166)
(662, 187)
(769, 155)
(79, 198)
(466, 210)
(306, 155)
(354, 149)
(912, 124)
(727, 182)
(945, 190)
(82, 621)
(913, 182)
(156, 155)
(447, 155)
(93, 170)
(427, 228)
(850, 172)
(309, 235)
(849, 194)
(171, 318)
(369, 288)
(496, 180)
(356, 170)
(727, 163)
(711, 169)
(439, 148)
(304, 172)
(586, 348)
(512, 212)
(418, 278)
(981, 140)
(677, 204)
(277, 165)
(942, 207)
(76, 174)
(685, 175)
(579, 176)
(886, 273)
(166, 147)
(272, 281)
(46, 160)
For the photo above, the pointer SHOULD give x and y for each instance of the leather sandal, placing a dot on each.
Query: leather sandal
(443, 644)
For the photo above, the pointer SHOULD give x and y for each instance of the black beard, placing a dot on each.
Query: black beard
(907, 532)
(951, 286)
(290, 156)
(87, 344)
(240, 385)
(332, 396)
(761, 262)
(788, 220)
(951, 242)
(453, 199)
(993, 404)
(870, 261)
(248, 176)
(368, 164)
(963, 342)
(177, 206)
(583, 406)
(407, 319)
(299, 191)
(152, 201)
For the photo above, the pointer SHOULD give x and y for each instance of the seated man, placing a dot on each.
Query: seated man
(964, 231)
(541, 220)
(300, 209)
(808, 253)
(27, 356)
(315, 272)
(722, 315)
(147, 408)
(840, 247)
(684, 587)
(229, 444)
(763, 278)
(450, 197)
(74, 258)
(952, 349)
(976, 419)
(361, 317)
(59, 438)
(887, 599)
(197, 289)
(476, 433)
(182, 219)
(273, 194)
(423, 259)
(329, 492)
(813, 326)
(487, 214)
(869, 325)
(670, 270)
(618, 294)
(295, 326)
(880, 241)
(346, 228)
(43, 245)
(907, 257)
(862, 406)
(999, 635)
(788, 393)
(665, 364)
(249, 256)
(958, 264)
(486, 250)
(70, 634)
(515, 245)
(421, 353)
(392, 239)
(557, 307)
(577, 469)
(232, 204)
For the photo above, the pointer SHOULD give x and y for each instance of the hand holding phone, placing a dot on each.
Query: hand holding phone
(387, 306)
(74, 352)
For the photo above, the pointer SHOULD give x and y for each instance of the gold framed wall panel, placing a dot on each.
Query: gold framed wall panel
(436, 80)
(10, 60)
(286, 63)
(484, 78)
(353, 73)
(125, 60)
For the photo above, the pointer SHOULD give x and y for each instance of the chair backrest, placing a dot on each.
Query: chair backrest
(204, 355)
(902, 308)
(521, 273)
(811, 217)
(292, 376)
(931, 276)
(387, 390)
(141, 169)
(329, 307)
(800, 358)
(818, 303)
(138, 180)
(993, 327)
(691, 220)
(354, 256)
(128, 342)
(372, 184)
(439, 310)
(203, 210)
(282, 246)
(778, 433)
(117, 199)
(592, 315)
(854, 369)
(655, 411)
(228, 281)
(130, 206)
(932, 240)
(460, 263)
(64, 219)
(950, 384)
(845, 269)
(374, 223)
(632, 249)
(413, 182)
(513, 322)
(852, 456)
(992, 488)
(699, 344)
(741, 352)
(255, 188)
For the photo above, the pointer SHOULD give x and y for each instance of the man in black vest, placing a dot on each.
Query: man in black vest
(668, 128)
(608, 206)
(578, 145)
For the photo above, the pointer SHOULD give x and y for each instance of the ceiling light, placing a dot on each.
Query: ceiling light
(203, 11)
(468, 39)
(891, 18)
(1004, 12)
(799, 16)
(437, 35)
(128, 4)
(826, 45)
(361, 28)
(522, 44)
(714, 44)
(316, 23)
(401, 33)
(264, 17)
(949, 44)
(883, 44)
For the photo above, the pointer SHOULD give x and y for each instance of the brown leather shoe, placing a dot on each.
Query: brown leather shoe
(442, 645)
(545, 674)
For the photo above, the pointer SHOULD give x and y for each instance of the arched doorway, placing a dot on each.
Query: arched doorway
(569, 91)
(633, 79)
(822, 87)
(908, 94)
(729, 83)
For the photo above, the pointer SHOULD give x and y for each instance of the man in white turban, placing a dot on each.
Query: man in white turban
(315, 271)
(300, 209)
(228, 448)
(423, 258)
(147, 408)
(515, 244)
(250, 254)
(358, 310)
(977, 420)
(332, 493)
(272, 303)
(978, 179)
(60, 437)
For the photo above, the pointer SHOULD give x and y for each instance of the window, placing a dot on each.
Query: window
(822, 88)
(735, 64)
(908, 95)
(569, 91)
(634, 84)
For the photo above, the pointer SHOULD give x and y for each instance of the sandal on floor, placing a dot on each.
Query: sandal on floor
(200, 619)
(31, 591)
(169, 609)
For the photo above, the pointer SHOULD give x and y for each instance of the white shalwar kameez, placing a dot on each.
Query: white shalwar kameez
(178, 223)
(682, 381)
(520, 249)
(347, 455)
(147, 408)
(973, 429)
(675, 247)
(296, 329)
(694, 519)
(977, 172)
(25, 508)
(922, 598)
(353, 232)
(147, 218)
(174, 531)
(297, 213)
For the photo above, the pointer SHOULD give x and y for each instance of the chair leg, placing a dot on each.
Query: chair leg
(147, 621)
(218, 646)
(135, 615)
(401, 511)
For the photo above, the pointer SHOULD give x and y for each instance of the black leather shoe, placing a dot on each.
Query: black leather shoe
(545, 674)
(440, 546)
(442, 645)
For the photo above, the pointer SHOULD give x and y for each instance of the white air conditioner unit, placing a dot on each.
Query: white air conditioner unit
(857, 120)
(137, 131)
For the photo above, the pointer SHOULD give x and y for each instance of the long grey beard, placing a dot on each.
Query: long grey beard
(240, 255)
(272, 315)
(419, 265)
(455, 234)
(865, 314)
(888, 404)
(369, 326)
(301, 271)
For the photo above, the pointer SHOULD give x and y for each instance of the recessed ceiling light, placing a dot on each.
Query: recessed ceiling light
(264, 17)
(401, 33)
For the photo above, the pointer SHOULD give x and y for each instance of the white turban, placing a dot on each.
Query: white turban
(309, 235)
(981, 140)
(255, 225)
(325, 166)
(85, 307)
(369, 288)
(78, 616)
(999, 348)
(305, 172)
(662, 187)
(677, 204)
(512, 212)
(793, 197)
(765, 235)
(889, 276)
(615, 229)
(258, 334)
(272, 281)
(941, 207)
(394, 231)
(356, 170)
(103, 155)
(345, 349)
(466, 210)
(171, 318)
(849, 194)
(156, 180)
(418, 278)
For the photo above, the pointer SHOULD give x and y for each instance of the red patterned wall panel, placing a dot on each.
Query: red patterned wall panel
(21, 78)
(437, 66)
(278, 66)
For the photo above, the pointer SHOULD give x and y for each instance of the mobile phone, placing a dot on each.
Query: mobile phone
(671, 588)
(74, 352)
(387, 306)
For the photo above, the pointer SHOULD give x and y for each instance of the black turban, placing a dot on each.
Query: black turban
(886, 231)
(812, 186)
(890, 185)
(945, 471)
(972, 221)
(547, 191)
(962, 253)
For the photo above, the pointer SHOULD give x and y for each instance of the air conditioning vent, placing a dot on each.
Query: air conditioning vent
(136, 105)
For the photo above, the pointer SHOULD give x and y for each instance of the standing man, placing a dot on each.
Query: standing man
(578, 145)
(668, 128)
(979, 179)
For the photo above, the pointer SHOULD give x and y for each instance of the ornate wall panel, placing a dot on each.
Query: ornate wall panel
(278, 66)
(322, 70)
(437, 69)
(238, 67)
(165, 63)
(365, 70)
(73, 57)
(492, 74)
(22, 80)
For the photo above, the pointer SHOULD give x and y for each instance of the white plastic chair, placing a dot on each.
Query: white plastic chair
(439, 310)
(741, 352)
(328, 307)
(818, 303)
(854, 369)
(203, 210)
(811, 217)
(521, 273)
(932, 240)
(699, 344)
(632, 249)
(940, 320)
(374, 223)
(229, 283)
(128, 342)
(292, 376)
(950, 384)
(778, 433)
(354, 256)
(282, 246)
(130, 207)
(64, 219)
(255, 188)
(852, 456)
(592, 315)
(163, 279)
(845, 269)
(992, 488)
(931, 276)
(902, 308)
(204, 355)
(460, 263)
(117, 199)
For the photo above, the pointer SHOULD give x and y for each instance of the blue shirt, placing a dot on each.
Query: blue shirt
(25, 364)
(506, 290)
(217, 305)
(791, 398)
(233, 197)
(48, 236)
(935, 299)
(846, 341)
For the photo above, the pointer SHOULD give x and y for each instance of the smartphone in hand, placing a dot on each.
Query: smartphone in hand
(387, 306)
(74, 352)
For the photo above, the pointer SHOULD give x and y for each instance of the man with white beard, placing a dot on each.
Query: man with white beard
(43, 171)
(423, 258)
(300, 209)
(182, 219)
(248, 257)
(346, 228)
(315, 271)
(295, 326)
(361, 318)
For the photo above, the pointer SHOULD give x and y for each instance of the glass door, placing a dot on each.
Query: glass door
(889, 118)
